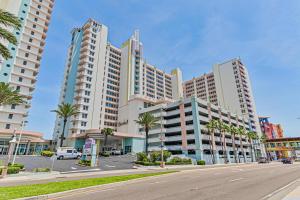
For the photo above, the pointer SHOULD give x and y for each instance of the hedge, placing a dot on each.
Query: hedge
(11, 170)
(21, 166)
(47, 153)
(201, 162)
(41, 170)
(84, 162)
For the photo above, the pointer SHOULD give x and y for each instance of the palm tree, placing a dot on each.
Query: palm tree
(211, 126)
(251, 136)
(233, 131)
(148, 121)
(241, 133)
(65, 111)
(8, 96)
(106, 132)
(263, 139)
(222, 127)
(8, 20)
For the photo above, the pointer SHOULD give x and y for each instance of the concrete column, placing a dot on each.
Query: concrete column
(183, 130)
(28, 147)
(197, 129)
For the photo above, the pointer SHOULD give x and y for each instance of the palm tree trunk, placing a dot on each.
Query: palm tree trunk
(105, 140)
(211, 150)
(63, 133)
(146, 145)
(214, 147)
(242, 148)
(225, 148)
(251, 148)
(234, 149)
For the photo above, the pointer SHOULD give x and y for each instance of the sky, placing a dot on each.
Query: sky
(192, 35)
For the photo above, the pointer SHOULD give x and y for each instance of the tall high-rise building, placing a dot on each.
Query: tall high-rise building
(21, 70)
(227, 86)
(101, 79)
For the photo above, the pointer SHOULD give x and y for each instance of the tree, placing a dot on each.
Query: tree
(65, 111)
(211, 126)
(8, 96)
(251, 136)
(233, 131)
(106, 132)
(241, 133)
(148, 121)
(8, 20)
(222, 127)
(263, 139)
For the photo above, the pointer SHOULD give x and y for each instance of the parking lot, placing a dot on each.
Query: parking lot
(106, 163)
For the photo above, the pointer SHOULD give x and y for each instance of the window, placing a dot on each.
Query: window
(22, 71)
(39, 6)
(85, 107)
(69, 151)
(37, 12)
(35, 19)
(32, 33)
(26, 55)
(10, 116)
(18, 88)
(20, 79)
(24, 62)
(33, 26)
(7, 126)
(30, 39)
(84, 115)
(87, 93)
(83, 123)
(28, 47)
(13, 106)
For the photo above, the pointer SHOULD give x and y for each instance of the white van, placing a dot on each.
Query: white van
(67, 153)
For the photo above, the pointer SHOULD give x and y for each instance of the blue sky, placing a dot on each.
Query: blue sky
(192, 35)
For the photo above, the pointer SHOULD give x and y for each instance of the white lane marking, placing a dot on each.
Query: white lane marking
(156, 182)
(237, 179)
(73, 168)
(280, 189)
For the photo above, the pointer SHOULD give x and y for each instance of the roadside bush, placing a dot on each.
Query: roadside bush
(179, 161)
(142, 157)
(21, 166)
(84, 162)
(156, 156)
(47, 153)
(201, 162)
(104, 154)
(13, 170)
(41, 170)
(147, 163)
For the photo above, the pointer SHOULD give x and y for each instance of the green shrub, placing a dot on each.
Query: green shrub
(1, 163)
(147, 163)
(201, 162)
(179, 161)
(84, 162)
(13, 170)
(105, 154)
(156, 155)
(47, 153)
(142, 157)
(41, 170)
(21, 166)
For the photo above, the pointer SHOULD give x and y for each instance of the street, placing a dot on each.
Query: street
(252, 182)
(106, 163)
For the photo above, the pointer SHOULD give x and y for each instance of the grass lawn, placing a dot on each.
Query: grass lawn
(13, 192)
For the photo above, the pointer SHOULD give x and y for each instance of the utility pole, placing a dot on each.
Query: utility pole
(18, 144)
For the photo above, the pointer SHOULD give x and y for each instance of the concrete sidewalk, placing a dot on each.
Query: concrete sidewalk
(294, 195)
(36, 178)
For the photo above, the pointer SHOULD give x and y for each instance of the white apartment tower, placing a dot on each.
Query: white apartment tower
(227, 86)
(91, 80)
(21, 70)
(100, 79)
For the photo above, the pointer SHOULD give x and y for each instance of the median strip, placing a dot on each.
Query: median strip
(14, 192)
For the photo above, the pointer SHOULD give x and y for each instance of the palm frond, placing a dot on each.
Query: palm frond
(4, 52)
(6, 35)
(8, 19)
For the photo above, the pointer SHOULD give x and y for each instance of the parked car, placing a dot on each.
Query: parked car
(287, 161)
(67, 153)
(263, 160)
(116, 152)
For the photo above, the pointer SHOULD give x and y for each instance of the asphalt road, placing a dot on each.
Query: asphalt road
(228, 183)
(106, 163)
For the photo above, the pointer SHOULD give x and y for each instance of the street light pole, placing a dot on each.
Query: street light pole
(18, 144)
